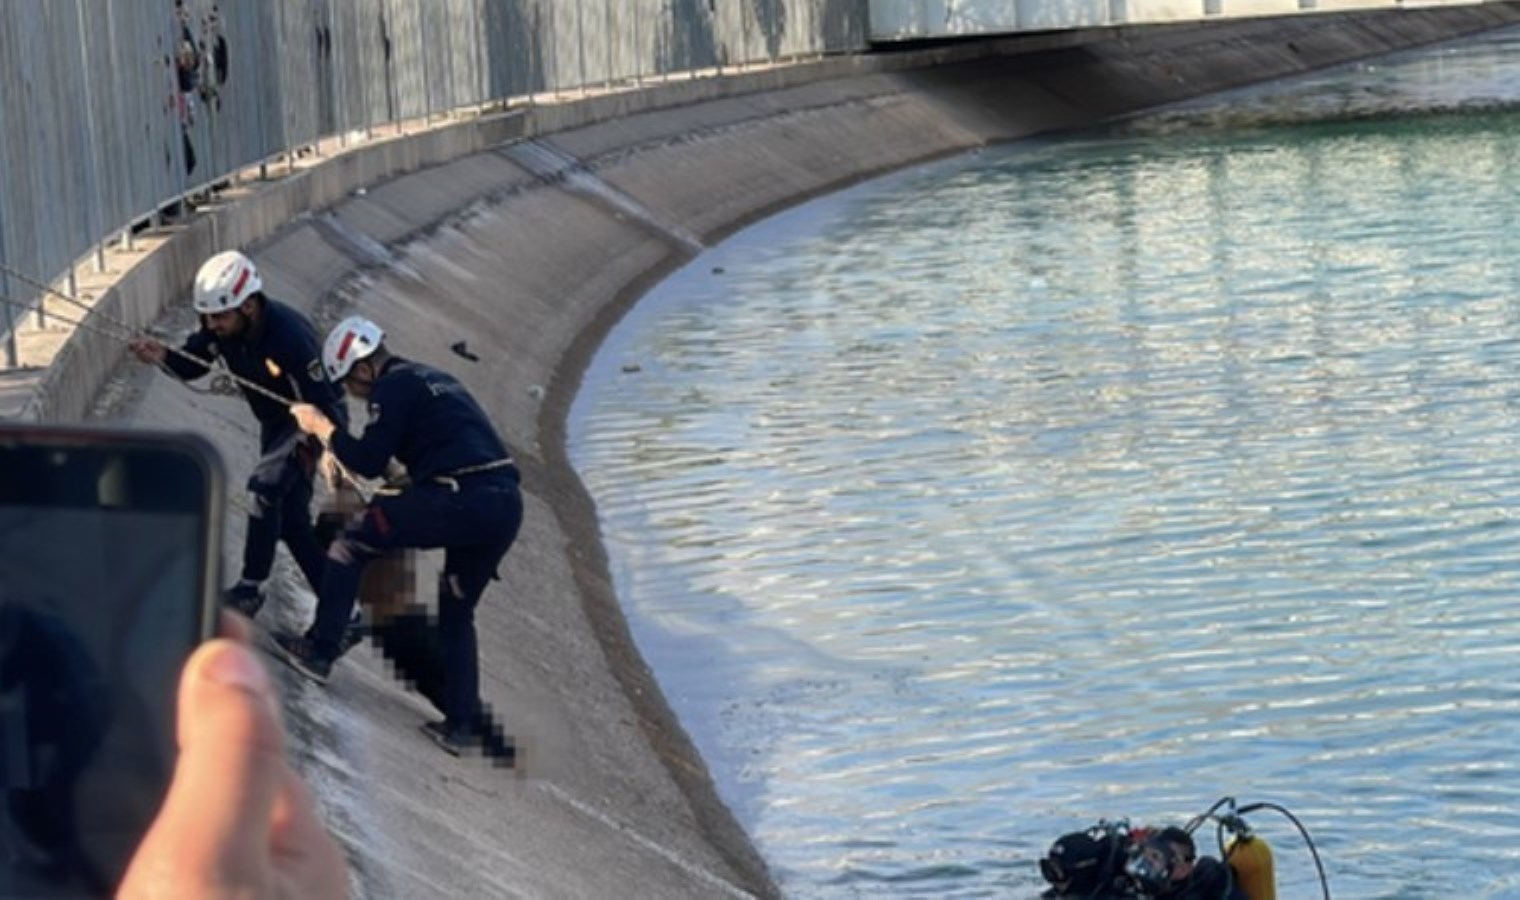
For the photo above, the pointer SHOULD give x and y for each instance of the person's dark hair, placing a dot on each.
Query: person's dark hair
(1174, 835)
(1084, 863)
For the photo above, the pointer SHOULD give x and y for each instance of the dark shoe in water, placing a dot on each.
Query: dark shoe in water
(300, 654)
(243, 597)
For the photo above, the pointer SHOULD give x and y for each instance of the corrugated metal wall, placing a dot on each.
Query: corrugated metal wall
(112, 109)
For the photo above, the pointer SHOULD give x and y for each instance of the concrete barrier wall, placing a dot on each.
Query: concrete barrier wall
(528, 236)
(113, 112)
(1187, 10)
(918, 20)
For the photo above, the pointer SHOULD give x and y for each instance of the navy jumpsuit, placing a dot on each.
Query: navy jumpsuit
(282, 355)
(463, 498)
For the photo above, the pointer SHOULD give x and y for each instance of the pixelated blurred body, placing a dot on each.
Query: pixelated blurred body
(474, 527)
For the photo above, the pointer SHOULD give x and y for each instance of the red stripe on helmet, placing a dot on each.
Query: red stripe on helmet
(237, 289)
(348, 341)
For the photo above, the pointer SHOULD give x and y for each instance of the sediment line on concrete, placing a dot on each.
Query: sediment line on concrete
(554, 166)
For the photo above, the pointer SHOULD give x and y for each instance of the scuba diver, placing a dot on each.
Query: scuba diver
(1112, 861)
(1171, 864)
(1108, 862)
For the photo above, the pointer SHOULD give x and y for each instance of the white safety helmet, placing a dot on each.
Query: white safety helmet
(355, 338)
(224, 282)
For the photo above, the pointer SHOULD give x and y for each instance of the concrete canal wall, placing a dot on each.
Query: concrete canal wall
(527, 235)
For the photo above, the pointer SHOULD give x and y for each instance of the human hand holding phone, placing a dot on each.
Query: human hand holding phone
(237, 821)
(109, 548)
(109, 545)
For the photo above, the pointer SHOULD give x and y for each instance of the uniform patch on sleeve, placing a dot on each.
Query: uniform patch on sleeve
(374, 413)
(314, 370)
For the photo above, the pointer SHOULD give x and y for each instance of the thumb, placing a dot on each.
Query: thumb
(231, 747)
(231, 761)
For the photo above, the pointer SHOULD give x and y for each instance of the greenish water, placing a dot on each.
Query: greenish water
(1102, 477)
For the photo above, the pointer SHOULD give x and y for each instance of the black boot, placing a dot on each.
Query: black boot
(353, 635)
(482, 735)
(301, 653)
(244, 597)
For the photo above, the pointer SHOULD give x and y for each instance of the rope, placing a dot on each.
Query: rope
(126, 334)
(221, 383)
(27, 279)
(483, 467)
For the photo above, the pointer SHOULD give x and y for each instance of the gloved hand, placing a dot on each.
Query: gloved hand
(311, 420)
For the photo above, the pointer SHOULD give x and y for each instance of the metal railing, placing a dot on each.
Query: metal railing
(117, 113)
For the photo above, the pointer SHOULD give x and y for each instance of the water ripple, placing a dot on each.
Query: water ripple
(1100, 477)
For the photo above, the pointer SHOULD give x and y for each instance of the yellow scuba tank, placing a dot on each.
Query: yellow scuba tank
(1251, 859)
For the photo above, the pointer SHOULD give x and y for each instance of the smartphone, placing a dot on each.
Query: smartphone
(109, 557)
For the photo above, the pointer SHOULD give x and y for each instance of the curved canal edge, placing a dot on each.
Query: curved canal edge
(530, 234)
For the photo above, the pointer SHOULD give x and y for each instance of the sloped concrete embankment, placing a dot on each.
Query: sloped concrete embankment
(527, 237)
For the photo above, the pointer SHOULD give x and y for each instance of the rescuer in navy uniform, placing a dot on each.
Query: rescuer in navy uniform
(267, 343)
(463, 497)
